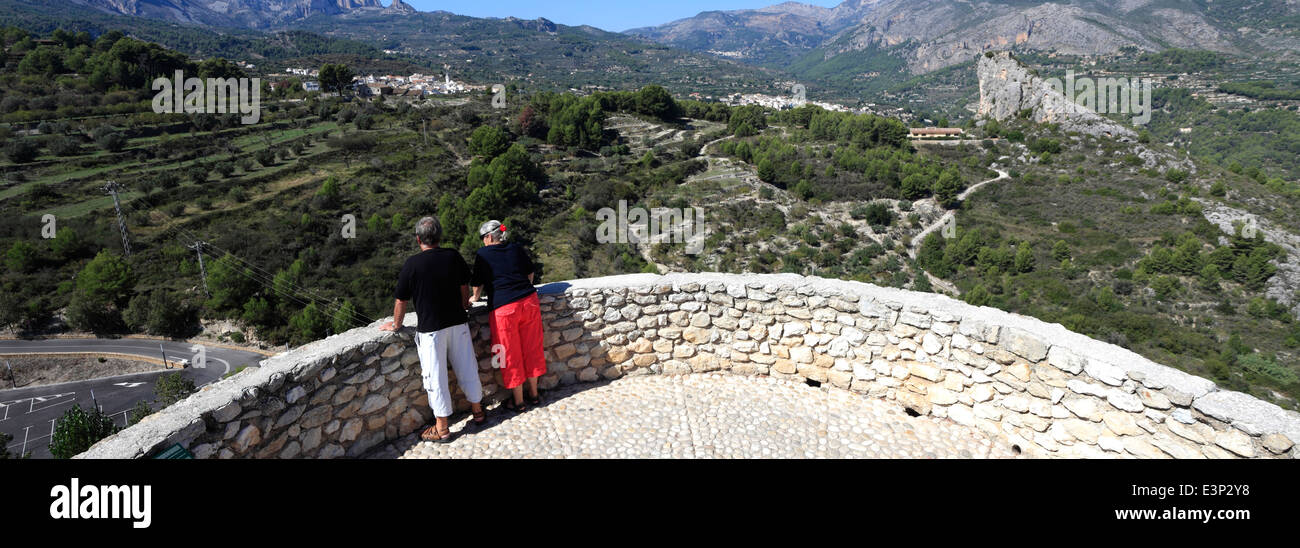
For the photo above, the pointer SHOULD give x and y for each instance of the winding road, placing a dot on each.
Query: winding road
(28, 413)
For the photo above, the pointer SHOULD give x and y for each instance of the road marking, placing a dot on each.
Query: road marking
(128, 384)
(24, 451)
(223, 362)
(37, 399)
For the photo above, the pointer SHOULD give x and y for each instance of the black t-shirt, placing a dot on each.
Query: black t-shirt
(503, 270)
(432, 279)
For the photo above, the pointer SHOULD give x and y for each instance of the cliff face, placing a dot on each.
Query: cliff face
(1007, 88)
(943, 33)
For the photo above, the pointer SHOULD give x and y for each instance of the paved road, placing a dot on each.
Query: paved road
(28, 413)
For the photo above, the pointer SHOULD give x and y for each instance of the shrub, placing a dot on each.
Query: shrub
(78, 429)
(21, 151)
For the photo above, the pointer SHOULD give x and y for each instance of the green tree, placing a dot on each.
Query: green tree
(489, 142)
(230, 283)
(139, 412)
(915, 186)
(21, 151)
(1024, 261)
(345, 317)
(309, 324)
(766, 171)
(88, 314)
(67, 244)
(327, 196)
(947, 187)
(159, 313)
(109, 140)
(747, 120)
(1209, 278)
(657, 102)
(1060, 250)
(21, 257)
(932, 257)
(172, 388)
(336, 78)
(106, 279)
(78, 429)
(259, 312)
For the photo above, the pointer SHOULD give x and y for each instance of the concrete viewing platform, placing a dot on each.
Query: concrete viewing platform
(721, 365)
(705, 416)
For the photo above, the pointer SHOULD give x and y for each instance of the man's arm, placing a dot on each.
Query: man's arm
(464, 296)
(399, 314)
(478, 291)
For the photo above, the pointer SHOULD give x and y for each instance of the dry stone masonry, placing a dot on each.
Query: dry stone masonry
(1033, 387)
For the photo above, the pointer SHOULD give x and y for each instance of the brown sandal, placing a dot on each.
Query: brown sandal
(432, 434)
(480, 417)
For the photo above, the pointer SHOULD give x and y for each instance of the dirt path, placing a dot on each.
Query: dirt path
(916, 241)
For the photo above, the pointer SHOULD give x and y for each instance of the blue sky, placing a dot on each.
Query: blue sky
(612, 15)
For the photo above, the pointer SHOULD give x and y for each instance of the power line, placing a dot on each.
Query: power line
(257, 274)
(291, 285)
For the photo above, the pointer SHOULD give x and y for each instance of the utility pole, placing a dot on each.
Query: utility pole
(164, 354)
(12, 381)
(198, 248)
(112, 187)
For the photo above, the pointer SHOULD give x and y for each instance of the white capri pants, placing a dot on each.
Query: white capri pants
(450, 345)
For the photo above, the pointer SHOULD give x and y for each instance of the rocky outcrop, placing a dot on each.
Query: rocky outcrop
(1035, 387)
(1008, 88)
(1284, 287)
(401, 8)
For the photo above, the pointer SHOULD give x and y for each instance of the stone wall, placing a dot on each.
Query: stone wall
(1034, 386)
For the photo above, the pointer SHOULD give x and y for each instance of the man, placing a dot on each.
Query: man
(437, 280)
(505, 272)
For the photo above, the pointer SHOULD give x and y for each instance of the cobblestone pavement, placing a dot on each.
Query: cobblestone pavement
(704, 416)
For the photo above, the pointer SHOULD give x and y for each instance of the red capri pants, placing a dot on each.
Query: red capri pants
(517, 339)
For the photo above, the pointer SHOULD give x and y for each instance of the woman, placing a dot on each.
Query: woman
(505, 273)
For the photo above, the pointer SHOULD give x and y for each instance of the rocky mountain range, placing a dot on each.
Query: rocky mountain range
(926, 35)
(240, 13)
(774, 34)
